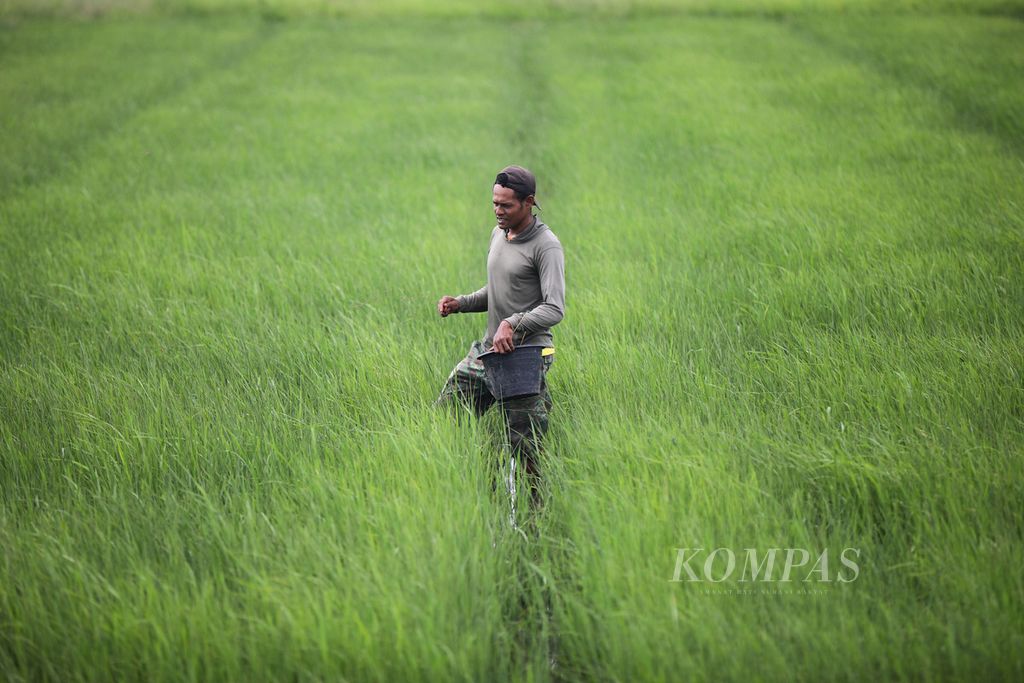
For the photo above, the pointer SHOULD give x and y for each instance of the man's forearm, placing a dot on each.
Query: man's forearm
(473, 303)
(542, 317)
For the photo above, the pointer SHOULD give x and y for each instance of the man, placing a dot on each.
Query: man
(524, 298)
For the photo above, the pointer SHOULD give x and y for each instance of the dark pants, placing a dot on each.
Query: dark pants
(526, 418)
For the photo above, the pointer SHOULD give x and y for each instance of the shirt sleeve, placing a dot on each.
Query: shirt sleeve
(548, 313)
(473, 303)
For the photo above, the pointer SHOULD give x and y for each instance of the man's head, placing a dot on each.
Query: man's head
(514, 190)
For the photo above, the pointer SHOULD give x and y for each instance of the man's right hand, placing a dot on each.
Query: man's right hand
(447, 305)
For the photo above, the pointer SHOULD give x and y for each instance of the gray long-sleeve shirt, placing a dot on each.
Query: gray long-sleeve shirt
(525, 285)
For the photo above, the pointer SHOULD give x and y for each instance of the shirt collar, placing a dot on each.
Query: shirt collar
(525, 234)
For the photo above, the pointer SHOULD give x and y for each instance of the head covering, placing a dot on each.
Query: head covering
(518, 179)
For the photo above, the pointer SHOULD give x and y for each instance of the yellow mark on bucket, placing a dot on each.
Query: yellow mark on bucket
(547, 351)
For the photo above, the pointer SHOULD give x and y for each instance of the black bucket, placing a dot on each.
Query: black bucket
(515, 374)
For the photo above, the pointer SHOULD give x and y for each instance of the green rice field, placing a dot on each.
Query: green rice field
(794, 246)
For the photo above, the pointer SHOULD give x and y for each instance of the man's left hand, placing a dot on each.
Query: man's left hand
(503, 338)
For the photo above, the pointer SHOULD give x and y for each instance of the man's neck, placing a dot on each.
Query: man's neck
(522, 227)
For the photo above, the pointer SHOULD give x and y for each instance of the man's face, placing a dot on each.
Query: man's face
(509, 211)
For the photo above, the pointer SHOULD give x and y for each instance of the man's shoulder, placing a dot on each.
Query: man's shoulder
(547, 239)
